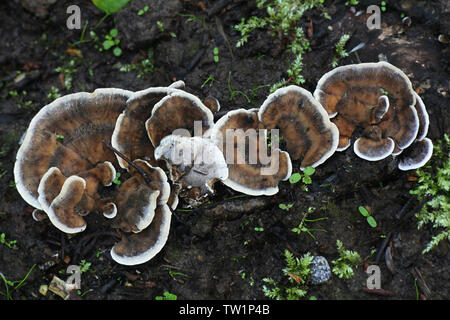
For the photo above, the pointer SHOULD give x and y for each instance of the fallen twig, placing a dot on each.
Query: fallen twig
(380, 292)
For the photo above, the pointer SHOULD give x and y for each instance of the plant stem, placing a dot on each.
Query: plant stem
(101, 21)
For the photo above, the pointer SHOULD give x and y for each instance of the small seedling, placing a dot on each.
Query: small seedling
(13, 93)
(302, 226)
(256, 88)
(81, 293)
(143, 67)
(160, 26)
(343, 266)
(370, 220)
(112, 41)
(67, 70)
(209, 79)
(383, 6)
(340, 51)
(174, 274)
(9, 244)
(258, 229)
(233, 93)
(285, 207)
(352, 2)
(116, 179)
(143, 10)
(59, 136)
(297, 271)
(216, 54)
(166, 296)
(53, 94)
(305, 177)
(84, 266)
(433, 188)
(13, 285)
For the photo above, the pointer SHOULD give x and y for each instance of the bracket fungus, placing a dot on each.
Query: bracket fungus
(155, 113)
(143, 214)
(137, 248)
(376, 103)
(62, 162)
(151, 115)
(421, 150)
(252, 170)
(130, 136)
(178, 111)
(139, 196)
(194, 163)
(303, 123)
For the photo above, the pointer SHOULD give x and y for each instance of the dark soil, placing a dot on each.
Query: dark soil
(214, 252)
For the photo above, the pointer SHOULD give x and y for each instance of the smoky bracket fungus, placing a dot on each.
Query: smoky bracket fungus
(375, 103)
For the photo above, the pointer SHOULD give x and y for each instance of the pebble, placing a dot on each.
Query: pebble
(321, 271)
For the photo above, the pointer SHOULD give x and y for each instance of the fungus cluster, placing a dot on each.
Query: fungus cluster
(62, 162)
(376, 104)
(166, 141)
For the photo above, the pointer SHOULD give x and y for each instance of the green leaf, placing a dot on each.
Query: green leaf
(107, 44)
(116, 180)
(117, 51)
(169, 296)
(295, 177)
(363, 211)
(114, 32)
(110, 6)
(309, 171)
(371, 221)
(307, 180)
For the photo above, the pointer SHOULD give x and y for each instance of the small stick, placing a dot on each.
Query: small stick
(131, 163)
(421, 282)
(380, 292)
(402, 211)
(382, 247)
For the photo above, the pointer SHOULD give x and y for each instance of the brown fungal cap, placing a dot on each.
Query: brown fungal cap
(370, 94)
(64, 142)
(193, 162)
(59, 197)
(303, 123)
(212, 104)
(372, 146)
(178, 110)
(139, 196)
(424, 121)
(67, 134)
(140, 247)
(130, 135)
(252, 169)
(416, 155)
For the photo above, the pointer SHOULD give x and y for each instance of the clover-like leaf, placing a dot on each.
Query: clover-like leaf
(295, 177)
(363, 211)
